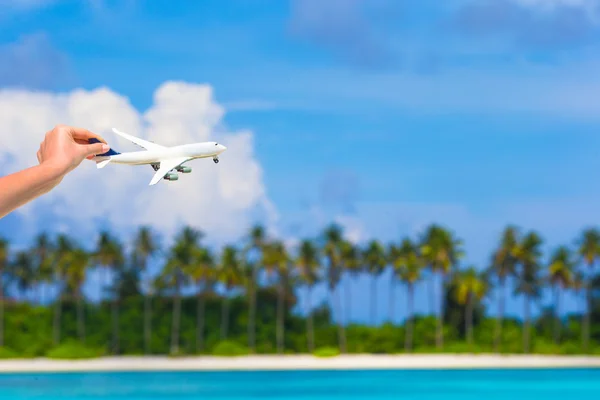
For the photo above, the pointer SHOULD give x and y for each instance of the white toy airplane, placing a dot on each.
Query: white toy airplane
(162, 159)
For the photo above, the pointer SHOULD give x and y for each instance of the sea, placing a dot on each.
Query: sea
(504, 384)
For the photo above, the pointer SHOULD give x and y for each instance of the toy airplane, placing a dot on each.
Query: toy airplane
(166, 161)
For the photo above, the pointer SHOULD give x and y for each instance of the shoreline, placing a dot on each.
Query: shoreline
(298, 362)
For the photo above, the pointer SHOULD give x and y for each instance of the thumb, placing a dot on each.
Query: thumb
(90, 150)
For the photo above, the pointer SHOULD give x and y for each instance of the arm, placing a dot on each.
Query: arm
(21, 187)
(62, 150)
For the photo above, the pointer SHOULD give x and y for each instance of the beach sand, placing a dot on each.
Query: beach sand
(298, 362)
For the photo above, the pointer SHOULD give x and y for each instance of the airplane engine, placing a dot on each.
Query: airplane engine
(172, 177)
(185, 170)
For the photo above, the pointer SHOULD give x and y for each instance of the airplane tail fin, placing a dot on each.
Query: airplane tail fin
(109, 153)
(102, 163)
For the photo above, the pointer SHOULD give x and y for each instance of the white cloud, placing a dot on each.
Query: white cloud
(219, 199)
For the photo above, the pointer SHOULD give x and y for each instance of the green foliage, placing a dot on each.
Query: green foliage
(424, 331)
(326, 352)
(545, 346)
(73, 350)
(229, 348)
(116, 326)
(387, 339)
(29, 332)
(6, 353)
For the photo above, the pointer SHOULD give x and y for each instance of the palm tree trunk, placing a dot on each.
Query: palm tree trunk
(147, 324)
(587, 317)
(469, 321)
(224, 316)
(373, 299)
(56, 322)
(280, 316)
(439, 339)
(409, 319)
(341, 330)
(556, 316)
(252, 313)
(37, 293)
(115, 315)
(498, 335)
(80, 317)
(348, 301)
(176, 321)
(200, 322)
(432, 293)
(309, 322)
(526, 334)
(392, 286)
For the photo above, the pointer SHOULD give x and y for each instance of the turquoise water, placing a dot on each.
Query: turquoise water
(580, 384)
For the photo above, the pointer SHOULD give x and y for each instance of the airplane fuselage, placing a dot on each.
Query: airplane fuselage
(164, 160)
(192, 151)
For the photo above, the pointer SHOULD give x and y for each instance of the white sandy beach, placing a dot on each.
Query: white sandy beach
(299, 362)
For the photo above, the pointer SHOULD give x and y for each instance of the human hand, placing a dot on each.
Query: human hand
(65, 147)
(62, 150)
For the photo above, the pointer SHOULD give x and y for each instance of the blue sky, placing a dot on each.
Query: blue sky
(390, 114)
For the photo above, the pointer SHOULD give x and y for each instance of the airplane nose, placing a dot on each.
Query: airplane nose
(222, 148)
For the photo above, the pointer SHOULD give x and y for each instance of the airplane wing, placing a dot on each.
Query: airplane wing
(140, 142)
(165, 167)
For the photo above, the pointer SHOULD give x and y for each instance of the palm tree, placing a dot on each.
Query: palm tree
(109, 254)
(578, 284)
(560, 274)
(23, 271)
(276, 258)
(441, 250)
(332, 252)
(375, 260)
(76, 264)
(257, 243)
(174, 278)
(351, 265)
(503, 266)
(61, 254)
(43, 251)
(589, 251)
(471, 286)
(3, 266)
(181, 259)
(230, 275)
(104, 253)
(201, 271)
(407, 265)
(308, 265)
(529, 284)
(145, 246)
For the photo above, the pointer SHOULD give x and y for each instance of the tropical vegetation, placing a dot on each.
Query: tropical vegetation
(243, 299)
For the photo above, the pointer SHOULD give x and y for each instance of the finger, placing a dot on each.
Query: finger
(81, 141)
(93, 149)
(39, 157)
(84, 134)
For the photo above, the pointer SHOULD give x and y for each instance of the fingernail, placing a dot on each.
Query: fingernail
(105, 148)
